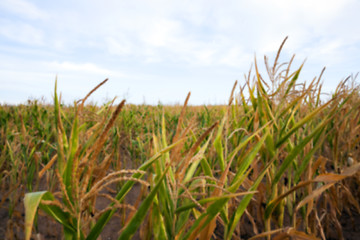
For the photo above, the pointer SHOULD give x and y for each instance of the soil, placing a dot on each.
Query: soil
(350, 225)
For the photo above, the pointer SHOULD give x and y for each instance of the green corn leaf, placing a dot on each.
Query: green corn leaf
(245, 163)
(32, 203)
(182, 219)
(218, 144)
(137, 219)
(203, 201)
(212, 211)
(206, 167)
(306, 119)
(74, 143)
(106, 216)
(245, 202)
(307, 158)
(158, 231)
(199, 156)
(252, 97)
(296, 150)
(293, 81)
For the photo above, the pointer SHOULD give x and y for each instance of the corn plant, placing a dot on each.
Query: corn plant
(81, 177)
(278, 157)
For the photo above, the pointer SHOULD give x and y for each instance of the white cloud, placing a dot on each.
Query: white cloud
(236, 57)
(85, 68)
(21, 32)
(121, 47)
(23, 79)
(23, 9)
(152, 40)
(161, 33)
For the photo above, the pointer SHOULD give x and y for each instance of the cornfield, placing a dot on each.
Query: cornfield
(277, 162)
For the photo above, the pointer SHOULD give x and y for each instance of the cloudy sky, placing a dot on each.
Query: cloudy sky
(159, 50)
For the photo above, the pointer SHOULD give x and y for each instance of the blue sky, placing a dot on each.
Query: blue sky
(155, 51)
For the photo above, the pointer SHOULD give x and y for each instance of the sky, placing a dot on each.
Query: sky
(157, 51)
